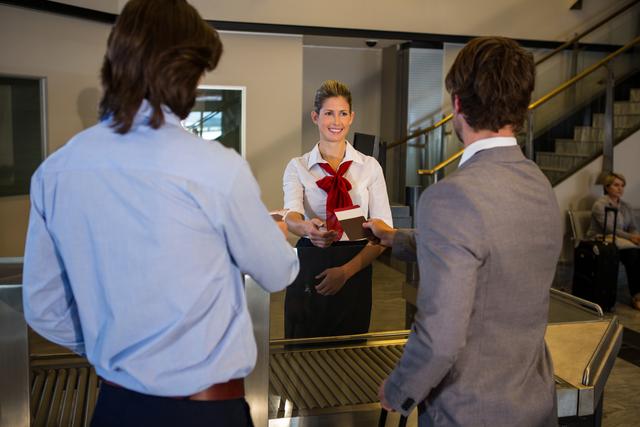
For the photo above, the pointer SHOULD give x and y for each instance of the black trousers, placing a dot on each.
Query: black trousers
(630, 258)
(309, 314)
(119, 407)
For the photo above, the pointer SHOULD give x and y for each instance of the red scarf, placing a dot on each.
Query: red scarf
(337, 188)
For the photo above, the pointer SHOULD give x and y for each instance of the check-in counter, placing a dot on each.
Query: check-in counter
(310, 381)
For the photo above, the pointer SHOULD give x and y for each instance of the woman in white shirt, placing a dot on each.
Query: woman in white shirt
(333, 175)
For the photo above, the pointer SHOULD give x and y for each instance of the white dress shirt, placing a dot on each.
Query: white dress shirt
(485, 144)
(368, 187)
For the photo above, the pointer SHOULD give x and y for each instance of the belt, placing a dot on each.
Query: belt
(233, 389)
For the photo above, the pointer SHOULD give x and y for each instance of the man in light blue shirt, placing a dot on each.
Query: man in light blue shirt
(139, 234)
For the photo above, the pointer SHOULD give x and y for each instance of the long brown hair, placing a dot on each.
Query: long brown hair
(158, 50)
(493, 77)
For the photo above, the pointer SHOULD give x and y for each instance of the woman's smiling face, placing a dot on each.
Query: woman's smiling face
(334, 119)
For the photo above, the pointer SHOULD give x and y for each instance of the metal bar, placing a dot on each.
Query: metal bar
(598, 354)
(349, 377)
(394, 358)
(356, 337)
(444, 164)
(92, 395)
(257, 382)
(56, 400)
(547, 97)
(584, 33)
(389, 362)
(317, 379)
(607, 146)
(338, 393)
(307, 382)
(44, 399)
(365, 363)
(355, 396)
(291, 383)
(529, 147)
(380, 360)
(291, 390)
(81, 394)
(67, 403)
(539, 61)
(361, 374)
(36, 389)
(279, 389)
(397, 350)
(420, 132)
(578, 302)
(584, 73)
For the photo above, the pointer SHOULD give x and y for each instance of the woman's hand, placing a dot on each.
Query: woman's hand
(334, 280)
(318, 234)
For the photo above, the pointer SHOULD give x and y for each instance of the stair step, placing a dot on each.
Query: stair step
(585, 148)
(626, 107)
(588, 133)
(560, 161)
(553, 174)
(634, 95)
(620, 121)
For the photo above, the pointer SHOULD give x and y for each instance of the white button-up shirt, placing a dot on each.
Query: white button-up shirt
(485, 144)
(368, 187)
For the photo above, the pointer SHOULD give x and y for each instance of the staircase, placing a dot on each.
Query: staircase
(572, 153)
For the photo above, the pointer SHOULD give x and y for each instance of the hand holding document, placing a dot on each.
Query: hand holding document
(351, 220)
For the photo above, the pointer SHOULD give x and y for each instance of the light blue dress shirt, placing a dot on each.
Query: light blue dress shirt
(135, 253)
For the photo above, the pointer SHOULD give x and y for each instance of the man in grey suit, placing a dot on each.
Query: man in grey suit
(487, 241)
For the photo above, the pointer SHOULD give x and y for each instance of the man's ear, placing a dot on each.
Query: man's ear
(457, 105)
(314, 117)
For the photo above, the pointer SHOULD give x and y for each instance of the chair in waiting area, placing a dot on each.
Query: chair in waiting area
(579, 220)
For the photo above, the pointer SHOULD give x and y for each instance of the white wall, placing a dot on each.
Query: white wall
(358, 68)
(69, 52)
(580, 191)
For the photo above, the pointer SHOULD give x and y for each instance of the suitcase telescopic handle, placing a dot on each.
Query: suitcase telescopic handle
(608, 209)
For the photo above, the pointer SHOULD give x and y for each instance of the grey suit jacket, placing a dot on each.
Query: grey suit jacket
(488, 238)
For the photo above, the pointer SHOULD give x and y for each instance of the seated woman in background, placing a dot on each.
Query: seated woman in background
(627, 236)
(332, 175)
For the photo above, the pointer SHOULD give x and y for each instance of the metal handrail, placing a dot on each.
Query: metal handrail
(547, 97)
(420, 132)
(600, 23)
(441, 165)
(584, 73)
(557, 50)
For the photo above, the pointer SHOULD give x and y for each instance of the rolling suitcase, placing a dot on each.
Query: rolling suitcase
(595, 269)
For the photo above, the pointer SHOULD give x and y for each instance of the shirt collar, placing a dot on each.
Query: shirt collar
(485, 144)
(145, 111)
(350, 154)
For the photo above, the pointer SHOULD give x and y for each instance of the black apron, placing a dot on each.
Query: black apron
(309, 314)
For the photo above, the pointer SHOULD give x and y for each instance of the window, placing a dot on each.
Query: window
(219, 114)
(22, 132)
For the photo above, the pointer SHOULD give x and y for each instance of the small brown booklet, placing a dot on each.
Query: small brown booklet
(351, 220)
